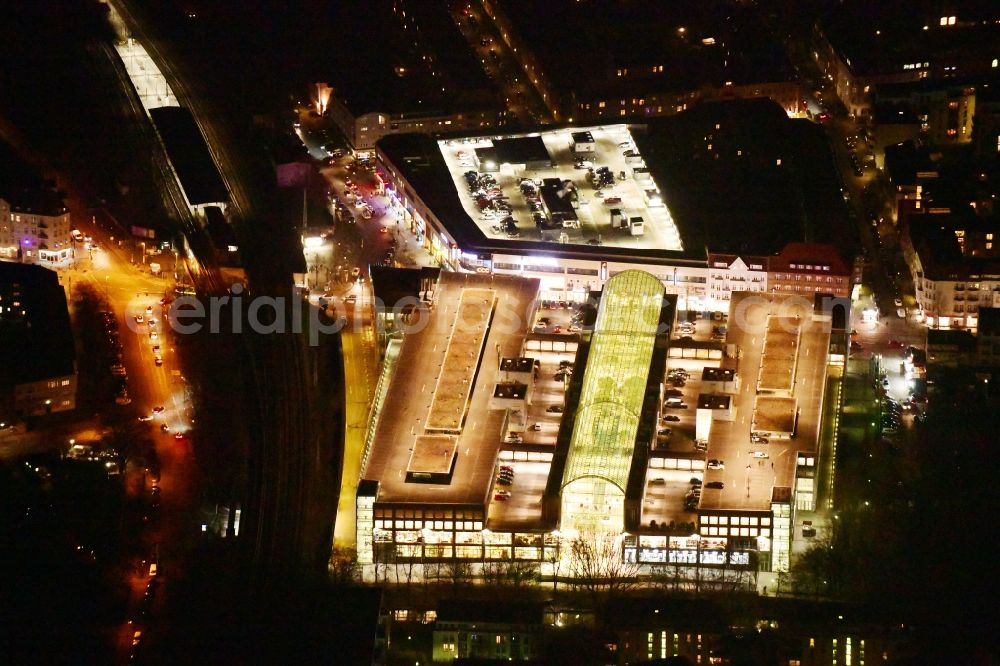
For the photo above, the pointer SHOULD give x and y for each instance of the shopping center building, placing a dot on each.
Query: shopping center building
(578, 232)
(502, 436)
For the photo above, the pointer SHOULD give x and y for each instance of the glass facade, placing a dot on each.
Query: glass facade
(607, 419)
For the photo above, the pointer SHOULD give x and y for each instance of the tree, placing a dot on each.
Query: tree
(343, 566)
(596, 564)
(457, 573)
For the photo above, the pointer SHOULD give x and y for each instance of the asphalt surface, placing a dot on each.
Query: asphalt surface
(748, 481)
(410, 394)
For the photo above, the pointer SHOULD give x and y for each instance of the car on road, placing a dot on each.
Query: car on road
(139, 319)
(898, 302)
(158, 409)
(158, 361)
(610, 201)
(757, 439)
(716, 464)
(554, 409)
(676, 405)
(502, 495)
(715, 485)
(664, 432)
(153, 335)
(536, 427)
(146, 417)
(149, 309)
(760, 454)
(351, 298)
(671, 417)
(895, 344)
(180, 436)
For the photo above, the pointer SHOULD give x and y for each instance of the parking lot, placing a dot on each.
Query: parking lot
(593, 207)
(548, 394)
(682, 437)
(664, 496)
(523, 508)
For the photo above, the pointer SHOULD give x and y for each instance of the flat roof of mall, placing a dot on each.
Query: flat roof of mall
(403, 419)
(438, 181)
(774, 414)
(432, 454)
(781, 340)
(462, 354)
(720, 194)
(593, 213)
(748, 480)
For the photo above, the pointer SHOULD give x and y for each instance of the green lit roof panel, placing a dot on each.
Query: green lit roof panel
(614, 382)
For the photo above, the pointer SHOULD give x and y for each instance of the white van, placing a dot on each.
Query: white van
(673, 402)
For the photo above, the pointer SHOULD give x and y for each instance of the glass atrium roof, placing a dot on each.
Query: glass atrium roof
(614, 381)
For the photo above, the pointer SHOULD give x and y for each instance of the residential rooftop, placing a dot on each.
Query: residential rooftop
(34, 326)
(391, 57)
(607, 47)
(883, 37)
(24, 189)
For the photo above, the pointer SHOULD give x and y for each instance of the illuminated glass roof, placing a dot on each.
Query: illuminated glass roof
(614, 381)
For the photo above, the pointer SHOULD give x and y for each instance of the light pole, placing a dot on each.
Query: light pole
(143, 244)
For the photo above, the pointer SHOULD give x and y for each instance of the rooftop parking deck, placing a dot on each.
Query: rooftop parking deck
(408, 402)
(750, 470)
(634, 196)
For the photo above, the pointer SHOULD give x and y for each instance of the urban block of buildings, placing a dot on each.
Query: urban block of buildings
(601, 62)
(861, 47)
(34, 222)
(37, 353)
(404, 84)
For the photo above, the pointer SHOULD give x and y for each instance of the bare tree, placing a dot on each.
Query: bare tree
(521, 573)
(597, 564)
(457, 573)
(343, 566)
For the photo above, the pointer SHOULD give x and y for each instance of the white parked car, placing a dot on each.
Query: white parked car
(716, 464)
